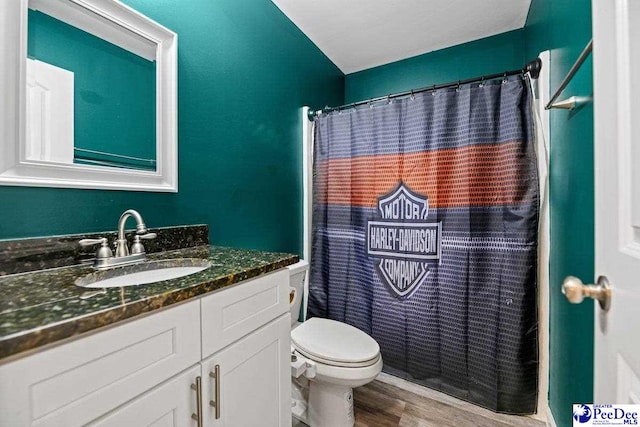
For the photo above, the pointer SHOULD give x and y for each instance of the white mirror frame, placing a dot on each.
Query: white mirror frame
(116, 23)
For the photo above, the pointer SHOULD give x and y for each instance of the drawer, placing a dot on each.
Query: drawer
(75, 383)
(234, 312)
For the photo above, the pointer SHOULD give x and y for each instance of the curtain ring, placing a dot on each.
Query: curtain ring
(433, 91)
(412, 95)
(458, 86)
(481, 82)
(504, 79)
(389, 99)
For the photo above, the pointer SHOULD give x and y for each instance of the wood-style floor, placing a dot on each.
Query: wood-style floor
(393, 402)
(380, 404)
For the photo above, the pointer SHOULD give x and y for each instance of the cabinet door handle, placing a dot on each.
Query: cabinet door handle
(216, 378)
(198, 388)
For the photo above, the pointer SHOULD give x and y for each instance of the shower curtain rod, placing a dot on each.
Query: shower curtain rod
(533, 67)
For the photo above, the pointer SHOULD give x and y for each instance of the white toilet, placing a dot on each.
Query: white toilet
(328, 359)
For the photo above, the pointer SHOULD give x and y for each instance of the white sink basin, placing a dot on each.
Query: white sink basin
(143, 273)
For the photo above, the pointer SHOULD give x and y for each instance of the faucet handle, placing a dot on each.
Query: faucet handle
(137, 247)
(103, 252)
(90, 242)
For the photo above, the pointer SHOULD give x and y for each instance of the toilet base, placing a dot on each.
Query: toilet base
(299, 399)
(330, 405)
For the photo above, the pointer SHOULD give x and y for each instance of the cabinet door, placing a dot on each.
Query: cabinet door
(168, 405)
(254, 380)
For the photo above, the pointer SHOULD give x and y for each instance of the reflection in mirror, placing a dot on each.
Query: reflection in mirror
(88, 101)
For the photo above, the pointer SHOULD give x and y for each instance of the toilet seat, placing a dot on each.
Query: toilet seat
(335, 344)
(336, 363)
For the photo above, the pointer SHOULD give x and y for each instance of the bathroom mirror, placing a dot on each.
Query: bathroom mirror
(75, 121)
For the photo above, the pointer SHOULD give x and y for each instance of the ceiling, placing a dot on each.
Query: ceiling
(360, 34)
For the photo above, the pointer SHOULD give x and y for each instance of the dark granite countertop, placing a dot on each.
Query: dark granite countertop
(42, 307)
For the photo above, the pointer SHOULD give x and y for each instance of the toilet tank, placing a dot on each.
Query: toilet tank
(297, 273)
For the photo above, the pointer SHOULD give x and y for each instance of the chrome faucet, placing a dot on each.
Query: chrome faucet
(104, 256)
(141, 229)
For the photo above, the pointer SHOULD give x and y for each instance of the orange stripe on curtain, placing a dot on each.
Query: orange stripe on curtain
(478, 175)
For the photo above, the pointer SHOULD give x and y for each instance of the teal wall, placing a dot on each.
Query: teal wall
(114, 89)
(564, 28)
(486, 56)
(244, 71)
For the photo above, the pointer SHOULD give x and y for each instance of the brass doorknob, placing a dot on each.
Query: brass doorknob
(575, 291)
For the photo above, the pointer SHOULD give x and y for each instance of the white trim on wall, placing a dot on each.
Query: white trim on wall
(551, 422)
(307, 197)
(541, 95)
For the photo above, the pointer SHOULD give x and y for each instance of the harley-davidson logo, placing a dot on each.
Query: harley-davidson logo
(403, 240)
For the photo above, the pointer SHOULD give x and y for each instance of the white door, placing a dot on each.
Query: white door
(50, 113)
(616, 32)
(253, 380)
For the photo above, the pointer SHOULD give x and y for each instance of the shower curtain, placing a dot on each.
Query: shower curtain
(424, 235)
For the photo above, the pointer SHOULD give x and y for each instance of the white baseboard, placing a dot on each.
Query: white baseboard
(551, 422)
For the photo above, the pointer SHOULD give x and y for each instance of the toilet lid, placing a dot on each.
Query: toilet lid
(331, 341)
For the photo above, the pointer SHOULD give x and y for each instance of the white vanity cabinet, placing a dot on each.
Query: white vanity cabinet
(77, 382)
(141, 373)
(252, 387)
